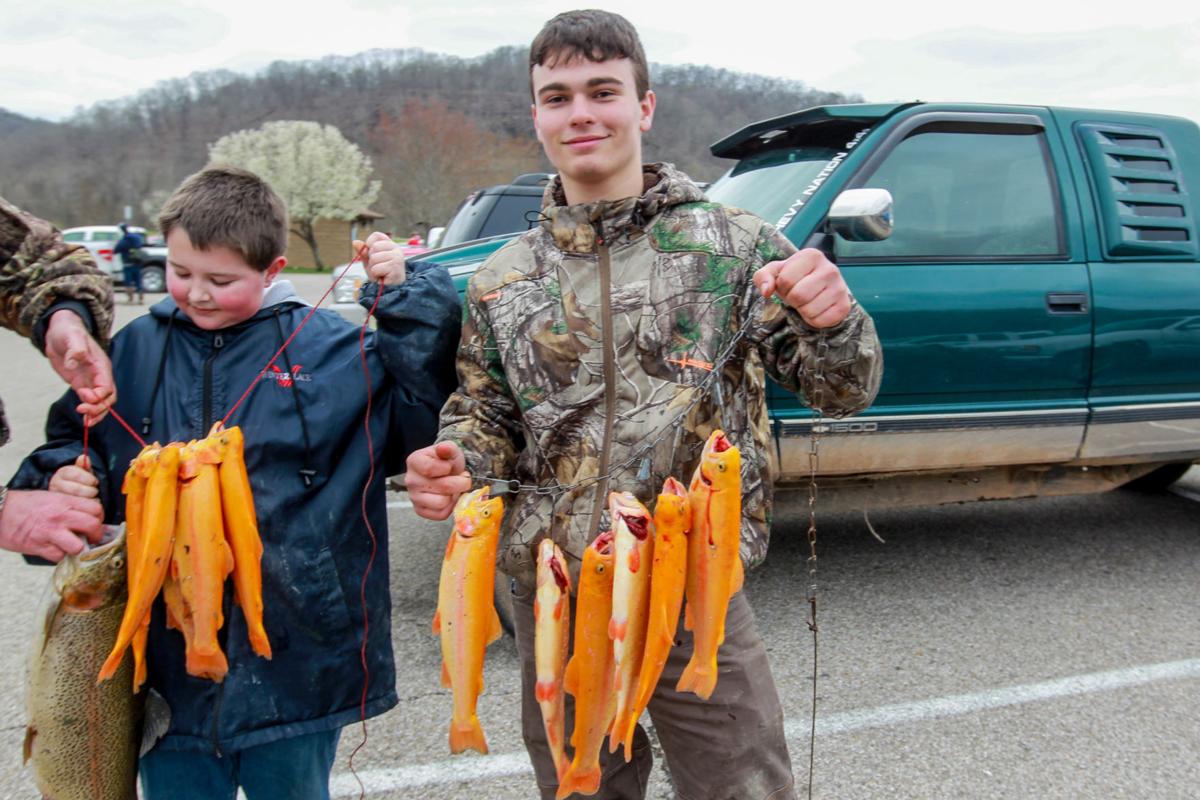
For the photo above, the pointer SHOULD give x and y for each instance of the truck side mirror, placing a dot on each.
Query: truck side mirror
(862, 215)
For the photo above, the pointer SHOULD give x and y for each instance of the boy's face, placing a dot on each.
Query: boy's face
(216, 288)
(590, 121)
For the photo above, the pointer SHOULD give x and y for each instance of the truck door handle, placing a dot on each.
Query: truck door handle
(1066, 302)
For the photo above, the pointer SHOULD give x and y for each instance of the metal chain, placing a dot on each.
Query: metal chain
(814, 457)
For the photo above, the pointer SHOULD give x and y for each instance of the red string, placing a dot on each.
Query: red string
(362, 352)
(124, 425)
(357, 257)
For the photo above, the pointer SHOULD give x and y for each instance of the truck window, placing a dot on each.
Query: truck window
(966, 195)
(512, 213)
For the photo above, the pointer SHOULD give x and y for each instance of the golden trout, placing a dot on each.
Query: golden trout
(202, 559)
(241, 530)
(134, 489)
(633, 552)
(672, 524)
(714, 562)
(589, 676)
(551, 642)
(82, 738)
(466, 616)
(154, 556)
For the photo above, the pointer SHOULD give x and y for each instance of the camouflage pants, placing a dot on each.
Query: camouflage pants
(730, 747)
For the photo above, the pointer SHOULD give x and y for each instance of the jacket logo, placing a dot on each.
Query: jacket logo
(286, 378)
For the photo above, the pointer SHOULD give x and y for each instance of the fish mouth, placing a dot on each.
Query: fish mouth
(637, 525)
(603, 543)
(560, 577)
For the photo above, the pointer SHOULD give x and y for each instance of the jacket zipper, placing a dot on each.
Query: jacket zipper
(217, 343)
(610, 374)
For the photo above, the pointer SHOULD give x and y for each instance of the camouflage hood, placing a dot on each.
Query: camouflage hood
(599, 351)
(574, 228)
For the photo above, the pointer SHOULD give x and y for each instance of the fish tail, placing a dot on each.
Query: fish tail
(467, 736)
(581, 781)
(699, 678)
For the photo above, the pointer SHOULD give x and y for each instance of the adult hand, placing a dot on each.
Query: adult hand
(810, 283)
(436, 477)
(81, 362)
(384, 259)
(49, 524)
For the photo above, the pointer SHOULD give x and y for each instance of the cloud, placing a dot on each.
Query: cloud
(135, 28)
(1137, 69)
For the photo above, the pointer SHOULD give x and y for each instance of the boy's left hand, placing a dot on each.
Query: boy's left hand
(810, 283)
(384, 259)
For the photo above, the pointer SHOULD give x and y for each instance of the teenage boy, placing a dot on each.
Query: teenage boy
(586, 338)
(271, 727)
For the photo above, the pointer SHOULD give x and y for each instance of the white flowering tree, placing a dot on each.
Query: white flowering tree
(317, 171)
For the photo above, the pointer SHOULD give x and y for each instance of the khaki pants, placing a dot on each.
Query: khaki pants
(730, 747)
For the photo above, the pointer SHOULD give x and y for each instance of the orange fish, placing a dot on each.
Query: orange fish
(589, 676)
(672, 523)
(158, 537)
(241, 531)
(134, 489)
(714, 562)
(633, 552)
(203, 557)
(466, 616)
(551, 642)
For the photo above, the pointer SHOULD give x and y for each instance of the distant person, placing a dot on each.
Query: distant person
(128, 247)
(52, 293)
(590, 336)
(272, 726)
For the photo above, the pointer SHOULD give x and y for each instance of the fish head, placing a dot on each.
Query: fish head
(672, 507)
(551, 566)
(478, 515)
(628, 512)
(720, 464)
(598, 562)
(95, 578)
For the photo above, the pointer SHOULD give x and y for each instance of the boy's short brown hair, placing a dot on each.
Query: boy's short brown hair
(592, 34)
(224, 206)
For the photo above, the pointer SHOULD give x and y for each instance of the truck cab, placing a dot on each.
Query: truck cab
(1038, 298)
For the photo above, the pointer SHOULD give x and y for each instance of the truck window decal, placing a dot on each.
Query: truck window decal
(820, 178)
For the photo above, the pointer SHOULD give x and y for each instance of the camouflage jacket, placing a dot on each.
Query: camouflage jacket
(38, 270)
(587, 349)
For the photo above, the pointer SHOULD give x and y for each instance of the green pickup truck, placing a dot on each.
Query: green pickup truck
(1038, 298)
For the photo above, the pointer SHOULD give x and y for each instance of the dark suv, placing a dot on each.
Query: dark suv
(508, 208)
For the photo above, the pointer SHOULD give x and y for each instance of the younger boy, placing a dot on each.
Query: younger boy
(272, 726)
(592, 336)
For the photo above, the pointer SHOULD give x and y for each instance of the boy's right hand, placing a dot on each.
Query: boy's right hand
(75, 479)
(436, 476)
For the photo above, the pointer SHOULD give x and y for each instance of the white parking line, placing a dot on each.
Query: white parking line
(399, 504)
(473, 768)
(1185, 492)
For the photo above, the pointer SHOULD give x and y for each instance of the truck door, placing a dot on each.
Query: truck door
(981, 300)
(1145, 393)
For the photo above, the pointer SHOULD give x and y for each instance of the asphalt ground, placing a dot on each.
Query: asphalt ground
(1043, 648)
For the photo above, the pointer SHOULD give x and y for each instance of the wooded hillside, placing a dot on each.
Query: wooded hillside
(436, 127)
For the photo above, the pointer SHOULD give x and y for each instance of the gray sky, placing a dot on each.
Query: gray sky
(59, 55)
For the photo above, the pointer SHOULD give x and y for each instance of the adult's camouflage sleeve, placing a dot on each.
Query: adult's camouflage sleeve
(481, 416)
(38, 269)
(843, 382)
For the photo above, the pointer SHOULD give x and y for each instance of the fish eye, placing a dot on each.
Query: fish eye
(599, 568)
(721, 467)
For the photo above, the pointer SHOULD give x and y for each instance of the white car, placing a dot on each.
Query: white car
(100, 240)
